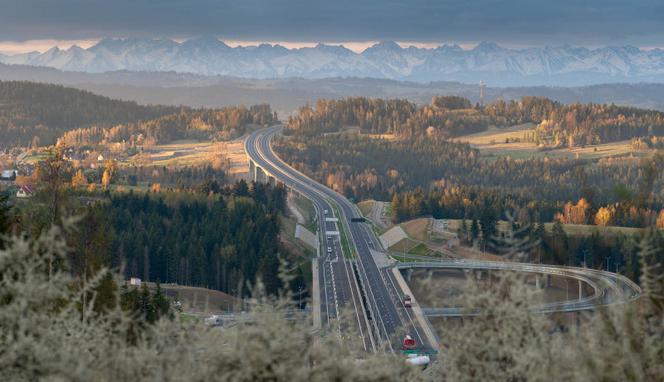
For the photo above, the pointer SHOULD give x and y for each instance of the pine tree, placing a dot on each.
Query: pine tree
(5, 220)
(463, 230)
(475, 229)
(516, 244)
(651, 277)
(241, 188)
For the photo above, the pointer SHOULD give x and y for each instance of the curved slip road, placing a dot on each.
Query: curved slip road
(370, 288)
(608, 288)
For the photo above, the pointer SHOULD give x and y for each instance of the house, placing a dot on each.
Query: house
(25, 192)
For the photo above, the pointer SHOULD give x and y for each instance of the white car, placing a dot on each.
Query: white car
(214, 320)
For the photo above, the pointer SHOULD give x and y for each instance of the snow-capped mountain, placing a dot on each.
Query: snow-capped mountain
(487, 61)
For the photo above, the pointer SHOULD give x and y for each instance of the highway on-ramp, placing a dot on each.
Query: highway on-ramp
(363, 284)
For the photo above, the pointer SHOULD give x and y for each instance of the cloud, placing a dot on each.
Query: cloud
(516, 21)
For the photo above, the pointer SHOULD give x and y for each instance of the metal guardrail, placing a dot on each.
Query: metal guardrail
(609, 288)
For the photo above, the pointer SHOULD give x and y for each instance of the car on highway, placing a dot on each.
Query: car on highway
(418, 360)
(408, 342)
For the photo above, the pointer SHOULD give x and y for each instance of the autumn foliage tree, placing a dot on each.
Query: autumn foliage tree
(660, 220)
(574, 213)
(78, 180)
(605, 216)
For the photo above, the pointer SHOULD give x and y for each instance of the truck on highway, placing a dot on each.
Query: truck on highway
(407, 301)
(357, 219)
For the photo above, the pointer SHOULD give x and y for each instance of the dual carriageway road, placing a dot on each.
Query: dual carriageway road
(351, 282)
(362, 286)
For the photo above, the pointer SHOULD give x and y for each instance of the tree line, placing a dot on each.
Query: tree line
(558, 125)
(433, 176)
(29, 110)
(40, 114)
(617, 252)
(206, 124)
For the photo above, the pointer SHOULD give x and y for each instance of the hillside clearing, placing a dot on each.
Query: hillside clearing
(512, 142)
(229, 155)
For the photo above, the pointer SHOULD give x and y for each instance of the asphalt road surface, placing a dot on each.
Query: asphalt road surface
(358, 284)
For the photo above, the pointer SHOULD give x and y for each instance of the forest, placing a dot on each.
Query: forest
(206, 124)
(40, 114)
(558, 125)
(616, 252)
(433, 176)
(29, 110)
(219, 242)
(201, 230)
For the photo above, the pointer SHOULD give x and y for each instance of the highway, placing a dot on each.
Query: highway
(363, 283)
(359, 283)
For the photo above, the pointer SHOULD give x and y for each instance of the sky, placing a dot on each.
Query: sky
(28, 24)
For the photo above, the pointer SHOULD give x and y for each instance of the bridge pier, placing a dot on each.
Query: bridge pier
(252, 170)
(409, 274)
(258, 174)
(580, 290)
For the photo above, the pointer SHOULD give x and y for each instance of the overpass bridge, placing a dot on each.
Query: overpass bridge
(370, 288)
(607, 288)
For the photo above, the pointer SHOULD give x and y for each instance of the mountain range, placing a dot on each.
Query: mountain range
(497, 65)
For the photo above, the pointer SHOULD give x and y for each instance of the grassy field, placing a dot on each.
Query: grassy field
(420, 249)
(195, 299)
(345, 244)
(287, 226)
(570, 229)
(355, 130)
(404, 246)
(495, 136)
(36, 158)
(621, 149)
(308, 212)
(417, 228)
(229, 155)
(287, 238)
(416, 243)
(585, 230)
(511, 141)
(365, 206)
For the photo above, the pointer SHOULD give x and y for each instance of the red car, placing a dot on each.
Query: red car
(408, 343)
